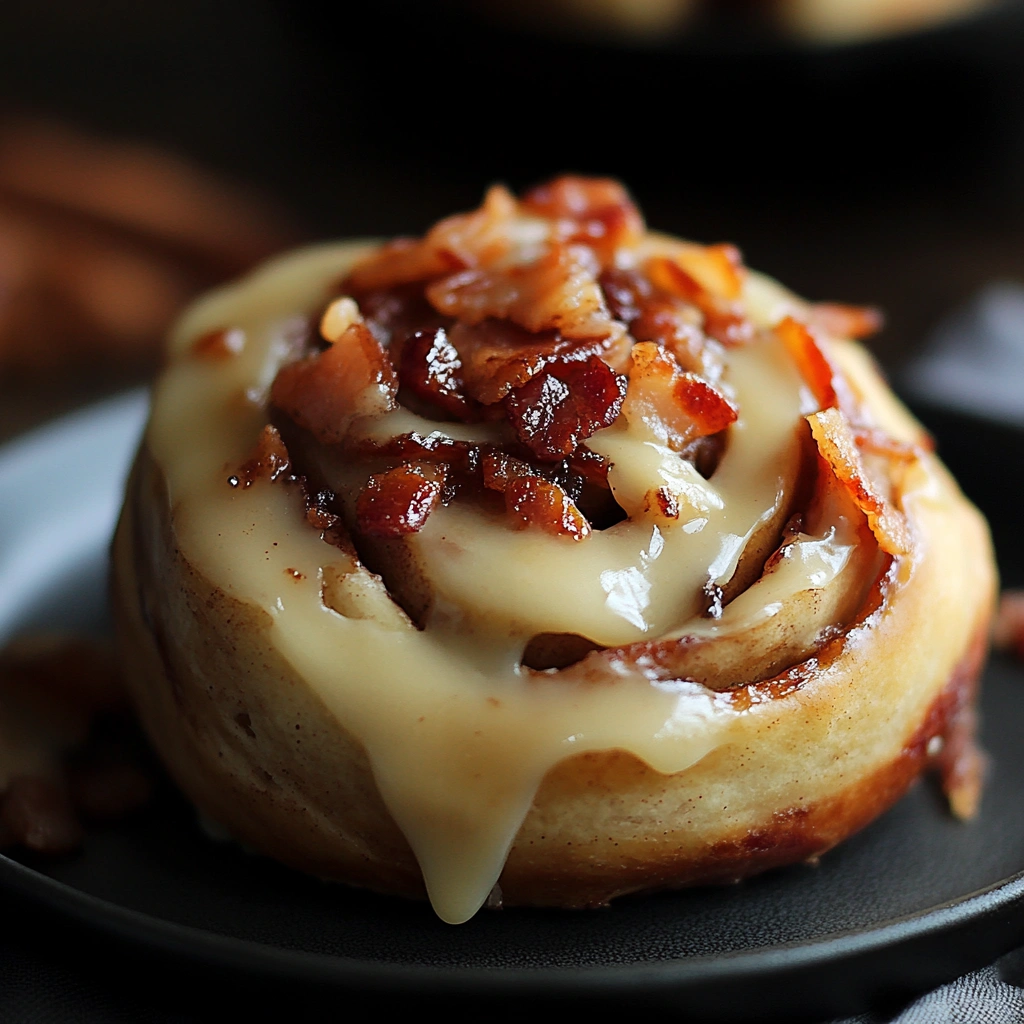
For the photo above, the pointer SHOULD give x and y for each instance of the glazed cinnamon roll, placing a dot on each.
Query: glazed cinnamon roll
(543, 559)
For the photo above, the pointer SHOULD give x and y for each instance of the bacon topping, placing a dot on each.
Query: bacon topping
(325, 392)
(564, 404)
(222, 344)
(535, 501)
(597, 212)
(269, 461)
(499, 468)
(840, 321)
(812, 363)
(465, 240)
(432, 370)
(837, 446)
(498, 355)
(677, 407)
(709, 278)
(400, 501)
(557, 292)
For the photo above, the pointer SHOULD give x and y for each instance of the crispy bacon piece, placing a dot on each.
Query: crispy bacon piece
(593, 468)
(1008, 629)
(270, 461)
(840, 321)
(480, 237)
(221, 344)
(400, 501)
(597, 212)
(558, 292)
(709, 278)
(462, 456)
(393, 314)
(535, 501)
(626, 292)
(878, 442)
(675, 326)
(676, 406)
(560, 407)
(325, 392)
(837, 446)
(432, 370)
(464, 240)
(400, 262)
(499, 468)
(498, 355)
(810, 360)
(696, 271)
(728, 326)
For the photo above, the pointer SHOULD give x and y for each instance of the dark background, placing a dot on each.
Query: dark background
(889, 173)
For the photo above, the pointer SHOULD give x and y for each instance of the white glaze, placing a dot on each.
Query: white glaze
(459, 736)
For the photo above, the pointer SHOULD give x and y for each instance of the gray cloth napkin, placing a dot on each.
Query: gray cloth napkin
(975, 360)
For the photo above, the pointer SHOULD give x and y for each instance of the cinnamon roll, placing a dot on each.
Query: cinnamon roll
(541, 560)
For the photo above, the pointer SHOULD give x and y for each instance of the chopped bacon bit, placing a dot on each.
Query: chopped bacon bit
(705, 284)
(270, 461)
(498, 356)
(810, 360)
(463, 456)
(840, 321)
(626, 292)
(557, 292)
(392, 314)
(667, 503)
(730, 327)
(325, 392)
(878, 442)
(837, 446)
(400, 262)
(221, 344)
(595, 211)
(465, 240)
(535, 501)
(675, 327)
(480, 237)
(677, 407)
(1008, 629)
(318, 514)
(295, 574)
(695, 271)
(666, 274)
(593, 468)
(564, 404)
(400, 501)
(432, 370)
(38, 814)
(718, 269)
(499, 468)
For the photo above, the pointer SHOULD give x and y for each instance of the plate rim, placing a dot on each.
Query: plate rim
(212, 949)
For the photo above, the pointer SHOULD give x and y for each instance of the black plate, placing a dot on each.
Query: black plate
(914, 900)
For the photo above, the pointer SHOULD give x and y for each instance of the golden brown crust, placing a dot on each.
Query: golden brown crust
(267, 760)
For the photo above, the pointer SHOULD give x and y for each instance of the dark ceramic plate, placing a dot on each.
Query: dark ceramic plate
(909, 903)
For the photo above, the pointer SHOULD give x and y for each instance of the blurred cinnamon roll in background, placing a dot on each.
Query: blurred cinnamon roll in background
(103, 242)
